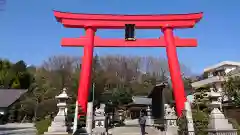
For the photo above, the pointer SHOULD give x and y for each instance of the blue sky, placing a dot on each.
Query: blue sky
(29, 31)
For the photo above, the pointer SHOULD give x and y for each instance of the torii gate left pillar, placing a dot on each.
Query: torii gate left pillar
(92, 22)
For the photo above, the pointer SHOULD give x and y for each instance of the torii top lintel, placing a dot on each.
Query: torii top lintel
(111, 21)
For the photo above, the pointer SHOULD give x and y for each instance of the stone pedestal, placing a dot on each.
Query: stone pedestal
(99, 120)
(218, 121)
(170, 117)
(58, 125)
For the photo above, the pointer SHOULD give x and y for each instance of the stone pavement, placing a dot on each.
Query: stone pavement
(18, 129)
(132, 128)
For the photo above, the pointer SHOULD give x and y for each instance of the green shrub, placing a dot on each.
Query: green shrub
(42, 125)
(200, 119)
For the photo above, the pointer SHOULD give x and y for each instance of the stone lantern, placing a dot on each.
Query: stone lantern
(121, 115)
(62, 102)
(58, 125)
(217, 121)
(214, 96)
(150, 120)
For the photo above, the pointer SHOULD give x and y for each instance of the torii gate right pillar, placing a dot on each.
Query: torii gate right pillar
(174, 69)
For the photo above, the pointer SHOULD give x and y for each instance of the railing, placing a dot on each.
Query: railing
(208, 81)
(223, 132)
(212, 132)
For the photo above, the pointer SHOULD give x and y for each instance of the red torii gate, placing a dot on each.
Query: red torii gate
(92, 22)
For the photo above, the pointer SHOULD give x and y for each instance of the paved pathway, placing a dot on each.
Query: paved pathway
(18, 129)
(132, 128)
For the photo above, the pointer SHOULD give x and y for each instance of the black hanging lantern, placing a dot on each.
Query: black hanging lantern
(130, 32)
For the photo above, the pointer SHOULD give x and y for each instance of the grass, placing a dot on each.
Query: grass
(42, 126)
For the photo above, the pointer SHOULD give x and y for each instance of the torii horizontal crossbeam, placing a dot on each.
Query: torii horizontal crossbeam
(119, 17)
(111, 21)
(147, 42)
(99, 24)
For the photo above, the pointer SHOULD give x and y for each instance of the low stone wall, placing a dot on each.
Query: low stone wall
(223, 132)
(18, 129)
(232, 112)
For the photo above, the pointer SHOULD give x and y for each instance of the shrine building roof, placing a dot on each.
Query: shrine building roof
(9, 96)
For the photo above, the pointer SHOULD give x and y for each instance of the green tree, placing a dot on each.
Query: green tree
(122, 96)
(116, 78)
(232, 89)
(14, 75)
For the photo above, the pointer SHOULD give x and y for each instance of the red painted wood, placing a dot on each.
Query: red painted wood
(101, 42)
(111, 21)
(116, 17)
(86, 70)
(121, 24)
(175, 71)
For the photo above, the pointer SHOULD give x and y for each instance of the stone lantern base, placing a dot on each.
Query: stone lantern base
(58, 125)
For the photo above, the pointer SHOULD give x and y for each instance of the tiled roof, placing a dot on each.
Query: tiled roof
(141, 100)
(9, 96)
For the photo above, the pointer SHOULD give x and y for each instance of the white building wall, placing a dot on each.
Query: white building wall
(229, 68)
